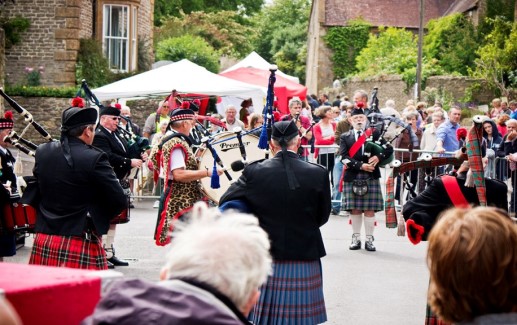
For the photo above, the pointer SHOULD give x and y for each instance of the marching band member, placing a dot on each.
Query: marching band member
(9, 188)
(79, 194)
(182, 176)
(291, 199)
(107, 139)
(361, 190)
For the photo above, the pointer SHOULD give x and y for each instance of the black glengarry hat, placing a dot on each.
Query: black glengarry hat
(110, 110)
(284, 131)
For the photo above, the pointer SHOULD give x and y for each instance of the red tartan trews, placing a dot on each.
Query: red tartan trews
(68, 251)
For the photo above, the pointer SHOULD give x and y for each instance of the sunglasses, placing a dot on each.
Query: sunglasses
(115, 118)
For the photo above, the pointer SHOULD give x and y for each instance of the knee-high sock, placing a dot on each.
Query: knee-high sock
(108, 241)
(369, 225)
(357, 222)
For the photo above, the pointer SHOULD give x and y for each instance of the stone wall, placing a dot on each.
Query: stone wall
(393, 87)
(50, 42)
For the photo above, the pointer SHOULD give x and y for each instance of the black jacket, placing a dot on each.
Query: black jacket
(7, 174)
(428, 205)
(353, 164)
(118, 157)
(68, 194)
(292, 218)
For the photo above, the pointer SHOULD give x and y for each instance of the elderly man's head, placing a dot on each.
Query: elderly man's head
(230, 113)
(229, 252)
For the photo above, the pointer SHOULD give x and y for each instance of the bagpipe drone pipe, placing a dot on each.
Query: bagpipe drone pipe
(136, 143)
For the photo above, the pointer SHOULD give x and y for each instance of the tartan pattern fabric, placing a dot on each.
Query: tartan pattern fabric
(371, 201)
(389, 208)
(475, 160)
(68, 251)
(431, 318)
(292, 295)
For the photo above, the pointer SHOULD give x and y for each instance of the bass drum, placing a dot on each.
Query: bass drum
(227, 147)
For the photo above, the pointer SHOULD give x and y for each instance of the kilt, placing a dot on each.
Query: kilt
(370, 201)
(69, 251)
(292, 295)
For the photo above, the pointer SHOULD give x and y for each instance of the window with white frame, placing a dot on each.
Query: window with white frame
(119, 37)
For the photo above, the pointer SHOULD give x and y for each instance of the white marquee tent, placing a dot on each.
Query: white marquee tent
(254, 60)
(185, 77)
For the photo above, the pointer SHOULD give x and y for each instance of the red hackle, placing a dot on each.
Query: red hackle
(8, 115)
(78, 102)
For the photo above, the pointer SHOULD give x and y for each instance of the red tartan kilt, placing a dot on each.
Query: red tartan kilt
(122, 217)
(68, 251)
(18, 217)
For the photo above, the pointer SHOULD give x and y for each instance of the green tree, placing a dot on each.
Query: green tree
(189, 47)
(497, 62)
(226, 31)
(452, 40)
(175, 8)
(282, 30)
(393, 51)
(346, 43)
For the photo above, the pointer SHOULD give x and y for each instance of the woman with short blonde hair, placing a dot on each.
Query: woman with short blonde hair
(472, 258)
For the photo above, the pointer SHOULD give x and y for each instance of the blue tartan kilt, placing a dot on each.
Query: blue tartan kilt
(372, 200)
(292, 295)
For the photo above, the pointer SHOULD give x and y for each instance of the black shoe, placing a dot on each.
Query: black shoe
(131, 206)
(115, 261)
(110, 265)
(368, 245)
(334, 212)
(356, 243)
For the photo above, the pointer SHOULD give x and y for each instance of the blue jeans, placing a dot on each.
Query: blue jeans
(336, 175)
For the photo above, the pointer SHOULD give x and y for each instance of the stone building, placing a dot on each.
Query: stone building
(56, 27)
(394, 13)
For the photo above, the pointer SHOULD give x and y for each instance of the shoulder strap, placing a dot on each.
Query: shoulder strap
(359, 143)
(454, 192)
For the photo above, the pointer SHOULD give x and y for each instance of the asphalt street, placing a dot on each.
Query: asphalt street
(388, 286)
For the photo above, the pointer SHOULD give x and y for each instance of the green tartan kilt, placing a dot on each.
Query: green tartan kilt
(373, 200)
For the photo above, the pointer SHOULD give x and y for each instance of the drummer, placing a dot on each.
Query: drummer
(8, 180)
(182, 188)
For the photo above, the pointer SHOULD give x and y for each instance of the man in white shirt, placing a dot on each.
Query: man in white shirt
(231, 118)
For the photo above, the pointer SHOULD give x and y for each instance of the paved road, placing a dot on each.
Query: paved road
(384, 287)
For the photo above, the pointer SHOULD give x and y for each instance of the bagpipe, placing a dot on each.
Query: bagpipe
(380, 123)
(136, 143)
(18, 141)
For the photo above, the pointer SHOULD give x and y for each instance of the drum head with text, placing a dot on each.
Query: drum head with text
(227, 147)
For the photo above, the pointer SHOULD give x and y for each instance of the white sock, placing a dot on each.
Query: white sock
(108, 241)
(369, 225)
(357, 222)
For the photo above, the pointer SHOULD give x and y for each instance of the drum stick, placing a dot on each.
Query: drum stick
(242, 149)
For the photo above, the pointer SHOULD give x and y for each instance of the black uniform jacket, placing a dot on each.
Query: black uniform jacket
(7, 174)
(68, 194)
(292, 218)
(118, 157)
(353, 164)
(425, 208)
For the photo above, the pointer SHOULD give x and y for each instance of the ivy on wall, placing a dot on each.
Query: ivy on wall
(346, 43)
(13, 28)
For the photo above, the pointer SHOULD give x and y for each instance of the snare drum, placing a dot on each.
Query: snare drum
(227, 147)
(121, 218)
(18, 217)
